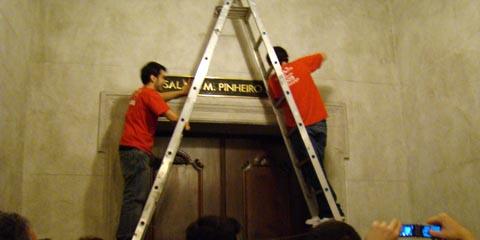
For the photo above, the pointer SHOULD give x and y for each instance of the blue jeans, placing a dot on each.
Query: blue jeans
(318, 136)
(135, 171)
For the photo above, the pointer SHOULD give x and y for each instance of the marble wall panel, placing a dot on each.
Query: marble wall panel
(16, 23)
(123, 33)
(62, 121)
(453, 190)
(438, 45)
(376, 200)
(65, 206)
(377, 143)
(355, 35)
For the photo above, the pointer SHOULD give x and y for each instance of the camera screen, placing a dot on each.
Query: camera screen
(407, 231)
(427, 228)
(415, 230)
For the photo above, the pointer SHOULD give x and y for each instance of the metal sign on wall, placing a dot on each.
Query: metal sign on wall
(215, 86)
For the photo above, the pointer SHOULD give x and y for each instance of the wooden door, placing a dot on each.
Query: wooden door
(244, 178)
(261, 190)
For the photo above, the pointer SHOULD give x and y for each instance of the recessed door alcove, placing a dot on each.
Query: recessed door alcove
(232, 163)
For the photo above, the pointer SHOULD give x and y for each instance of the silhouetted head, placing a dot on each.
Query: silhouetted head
(15, 227)
(281, 53)
(333, 230)
(213, 228)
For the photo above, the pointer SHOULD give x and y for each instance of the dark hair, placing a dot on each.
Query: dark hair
(13, 227)
(281, 53)
(213, 228)
(151, 68)
(333, 230)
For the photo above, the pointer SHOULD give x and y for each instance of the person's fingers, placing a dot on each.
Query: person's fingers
(382, 230)
(383, 224)
(434, 220)
(434, 233)
(395, 225)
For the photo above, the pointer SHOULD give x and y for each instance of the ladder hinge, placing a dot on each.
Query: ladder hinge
(235, 12)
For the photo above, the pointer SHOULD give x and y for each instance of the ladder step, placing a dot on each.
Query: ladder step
(291, 131)
(268, 73)
(301, 163)
(258, 43)
(279, 102)
(311, 193)
(321, 191)
(235, 12)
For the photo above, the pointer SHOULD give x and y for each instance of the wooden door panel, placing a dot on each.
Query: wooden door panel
(266, 202)
(261, 192)
(190, 192)
(181, 205)
(238, 152)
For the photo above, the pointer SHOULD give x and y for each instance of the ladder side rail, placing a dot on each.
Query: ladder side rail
(159, 184)
(258, 57)
(312, 206)
(247, 29)
(296, 115)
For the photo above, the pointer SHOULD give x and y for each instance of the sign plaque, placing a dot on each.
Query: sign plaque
(215, 86)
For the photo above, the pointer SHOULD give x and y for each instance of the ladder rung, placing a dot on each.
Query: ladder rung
(321, 191)
(279, 102)
(301, 163)
(267, 74)
(235, 12)
(258, 42)
(311, 192)
(291, 131)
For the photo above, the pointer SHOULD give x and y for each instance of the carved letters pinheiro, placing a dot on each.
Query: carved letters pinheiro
(220, 86)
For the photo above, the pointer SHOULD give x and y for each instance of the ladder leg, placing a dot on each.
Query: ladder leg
(296, 115)
(158, 187)
(254, 48)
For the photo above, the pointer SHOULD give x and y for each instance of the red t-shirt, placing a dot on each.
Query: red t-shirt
(144, 108)
(303, 89)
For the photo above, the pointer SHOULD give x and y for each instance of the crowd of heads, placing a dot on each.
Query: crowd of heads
(16, 227)
(213, 228)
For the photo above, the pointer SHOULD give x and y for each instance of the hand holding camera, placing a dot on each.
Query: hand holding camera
(417, 230)
(384, 231)
(450, 229)
(441, 226)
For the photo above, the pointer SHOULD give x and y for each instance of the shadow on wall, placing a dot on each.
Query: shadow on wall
(111, 120)
(325, 92)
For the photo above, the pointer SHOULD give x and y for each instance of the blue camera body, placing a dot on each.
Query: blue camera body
(417, 230)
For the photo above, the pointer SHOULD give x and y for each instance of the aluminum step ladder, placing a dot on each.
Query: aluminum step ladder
(236, 9)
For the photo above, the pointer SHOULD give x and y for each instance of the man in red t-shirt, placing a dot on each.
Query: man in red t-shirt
(313, 112)
(145, 106)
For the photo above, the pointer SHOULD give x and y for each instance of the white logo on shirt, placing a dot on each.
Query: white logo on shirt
(289, 77)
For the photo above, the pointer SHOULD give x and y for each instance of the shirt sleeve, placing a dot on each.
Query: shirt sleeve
(274, 87)
(156, 104)
(313, 61)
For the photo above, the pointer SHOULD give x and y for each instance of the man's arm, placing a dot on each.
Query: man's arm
(451, 229)
(179, 93)
(173, 117)
(324, 56)
(313, 61)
